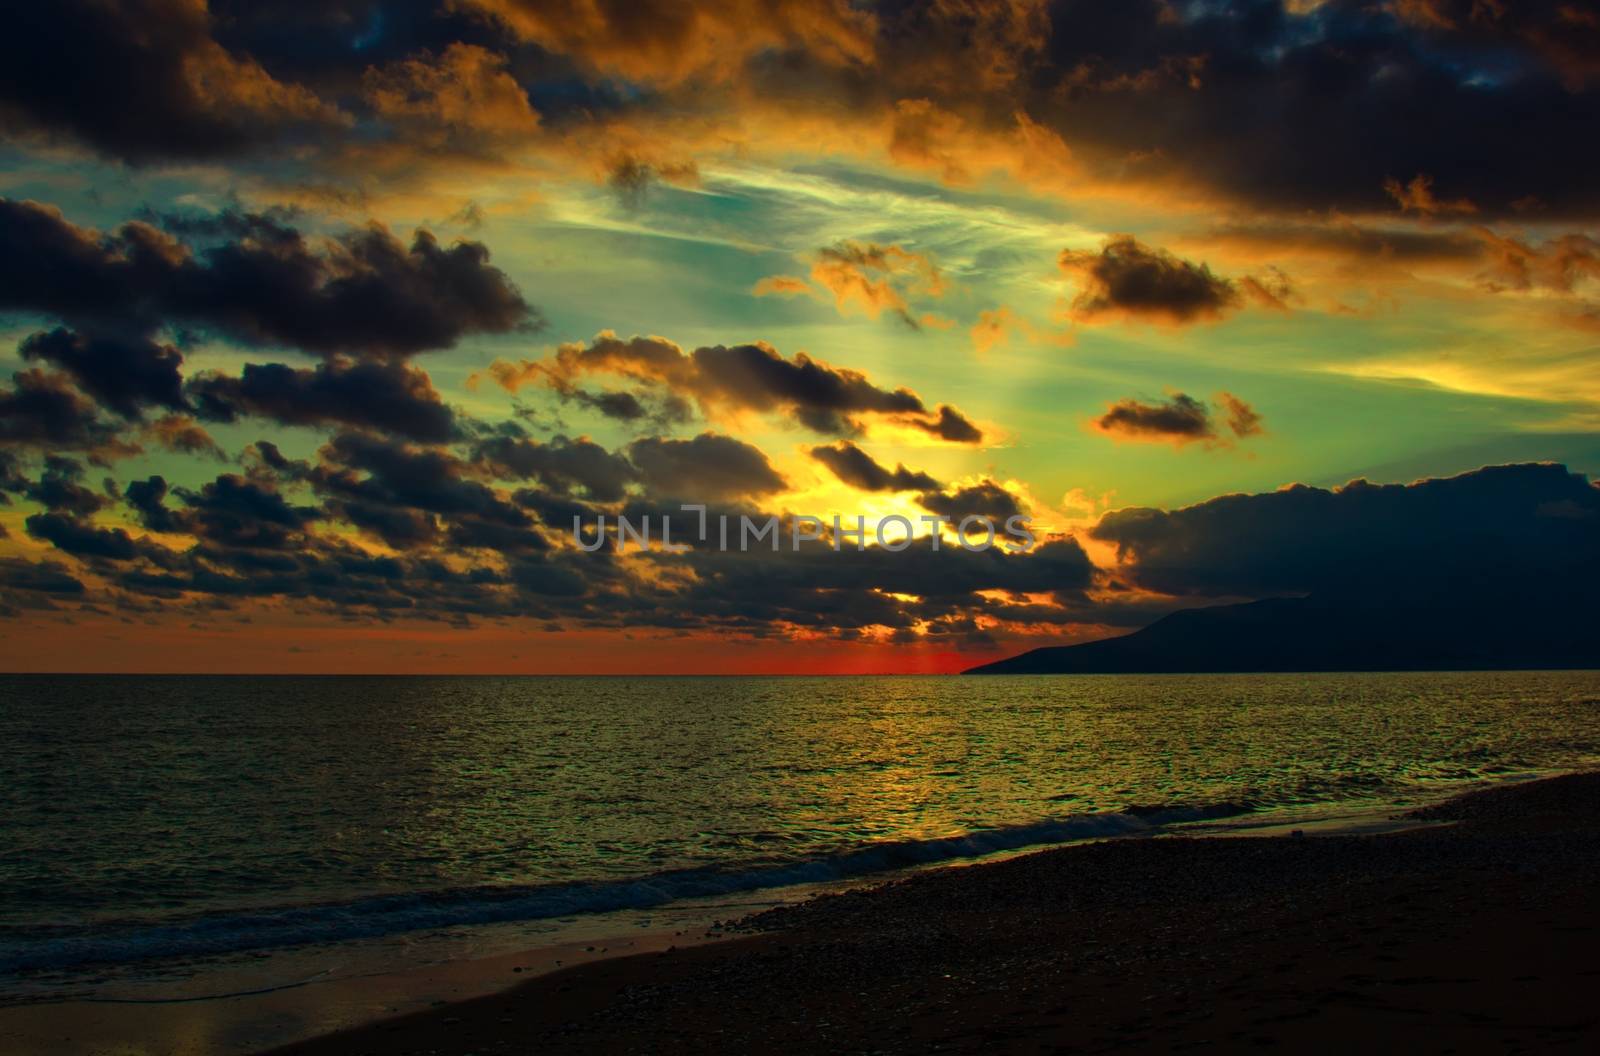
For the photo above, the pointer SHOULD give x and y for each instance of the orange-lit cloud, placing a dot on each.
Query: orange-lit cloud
(870, 277)
(996, 326)
(664, 42)
(181, 434)
(464, 99)
(1558, 265)
(1417, 196)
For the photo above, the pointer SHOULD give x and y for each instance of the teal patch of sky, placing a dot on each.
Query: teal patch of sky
(683, 263)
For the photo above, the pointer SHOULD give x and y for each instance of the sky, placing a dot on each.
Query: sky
(320, 324)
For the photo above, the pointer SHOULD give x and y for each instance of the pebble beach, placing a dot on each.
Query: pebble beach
(1472, 932)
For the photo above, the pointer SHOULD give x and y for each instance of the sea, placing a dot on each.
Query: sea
(176, 835)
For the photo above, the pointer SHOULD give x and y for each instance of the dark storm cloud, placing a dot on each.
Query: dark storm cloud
(542, 575)
(1127, 277)
(623, 406)
(1181, 419)
(1494, 531)
(949, 424)
(1563, 32)
(385, 396)
(53, 266)
(259, 281)
(382, 478)
(858, 469)
(368, 293)
(345, 49)
(126, 374)
(147, 498)
(669, 408)
(333, 85)
(987, 499)
(43, 410)
(1317, 111)
(750, 377)
(819, 586)
(707, 468)
(80, 538)
(252, 277)
(1346, 240)
(254, 540)
(251, 541)
(757, 376)
(143, 80)
(399, 474)
(563, 465)
(504, 533)
(328, 573)
(556, 510)
(47, 577)
(60, 489)
(1286, 107)
(332, 38)
(1522, 527)
(400, 528)
(11, 478)
(237, 512)
(273, 459)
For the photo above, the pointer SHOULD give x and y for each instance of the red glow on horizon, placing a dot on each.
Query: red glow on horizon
(315, 647)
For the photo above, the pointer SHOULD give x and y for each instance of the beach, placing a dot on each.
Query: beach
(1473, 932)
(548, 824)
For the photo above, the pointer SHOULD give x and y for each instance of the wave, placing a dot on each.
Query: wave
(385, 915)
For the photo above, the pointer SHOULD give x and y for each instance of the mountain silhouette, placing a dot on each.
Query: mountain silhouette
(1308, 634)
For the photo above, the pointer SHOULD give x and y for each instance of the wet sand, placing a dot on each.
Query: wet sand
(196, 1020)
(1473, 936)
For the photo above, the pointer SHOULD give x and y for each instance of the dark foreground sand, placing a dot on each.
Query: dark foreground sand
(1478, 936)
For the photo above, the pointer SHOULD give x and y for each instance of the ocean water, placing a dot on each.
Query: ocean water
(154, 827)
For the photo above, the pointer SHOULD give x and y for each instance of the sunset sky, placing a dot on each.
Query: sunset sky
(322, 321)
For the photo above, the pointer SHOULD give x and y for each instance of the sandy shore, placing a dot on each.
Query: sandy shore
(197, 1020)
(1475, 936)
(1466, 929)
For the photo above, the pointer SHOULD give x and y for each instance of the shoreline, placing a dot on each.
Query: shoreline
(307, 1017)
(233, 1024)
(1470, 933)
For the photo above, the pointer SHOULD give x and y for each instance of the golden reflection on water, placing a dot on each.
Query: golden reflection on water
(220, 793)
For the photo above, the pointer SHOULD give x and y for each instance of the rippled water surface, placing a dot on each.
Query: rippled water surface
(156, 816)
